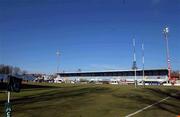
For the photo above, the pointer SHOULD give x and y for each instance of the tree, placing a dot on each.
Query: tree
(7, 69)
(16, 70)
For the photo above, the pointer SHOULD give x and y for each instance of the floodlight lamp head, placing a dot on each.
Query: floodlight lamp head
(166, 30)
(57, 53)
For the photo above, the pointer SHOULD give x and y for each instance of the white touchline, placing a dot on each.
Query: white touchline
(147, 107)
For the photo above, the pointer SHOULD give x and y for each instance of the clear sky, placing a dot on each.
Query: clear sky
(90, 34)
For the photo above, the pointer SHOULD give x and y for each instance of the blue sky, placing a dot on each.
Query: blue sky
(90, 34)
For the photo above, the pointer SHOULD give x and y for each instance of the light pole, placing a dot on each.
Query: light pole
(58, 60)
(134, 66)
(143, 63)
(165, 32)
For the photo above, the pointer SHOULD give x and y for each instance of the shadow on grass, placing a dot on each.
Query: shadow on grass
(76, 95)
(155, 92)
(3, 86)
(58, 94)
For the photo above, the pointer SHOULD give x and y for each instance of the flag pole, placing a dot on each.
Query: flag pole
(9, 94)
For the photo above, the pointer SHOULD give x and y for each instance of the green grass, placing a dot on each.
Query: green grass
(67, 100)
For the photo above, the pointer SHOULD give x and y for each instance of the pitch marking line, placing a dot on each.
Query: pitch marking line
(147, 107)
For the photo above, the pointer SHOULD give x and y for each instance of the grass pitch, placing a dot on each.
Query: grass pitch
(68, 100)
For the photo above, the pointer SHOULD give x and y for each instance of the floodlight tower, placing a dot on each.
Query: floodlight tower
(143, 63)
(165, 32)
(134, 66)
(58, 60)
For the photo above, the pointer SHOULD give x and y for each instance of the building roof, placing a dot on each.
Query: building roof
(113, 70)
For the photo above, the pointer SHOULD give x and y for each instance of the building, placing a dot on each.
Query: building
(151, 76)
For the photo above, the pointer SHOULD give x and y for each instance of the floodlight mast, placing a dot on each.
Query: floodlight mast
(143, 63)
(58, 60)
(165, 32)
(134, 66)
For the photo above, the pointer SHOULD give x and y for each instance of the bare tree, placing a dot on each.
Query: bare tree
(7, 69)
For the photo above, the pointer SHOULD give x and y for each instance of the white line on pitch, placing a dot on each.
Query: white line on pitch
(147, 107)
